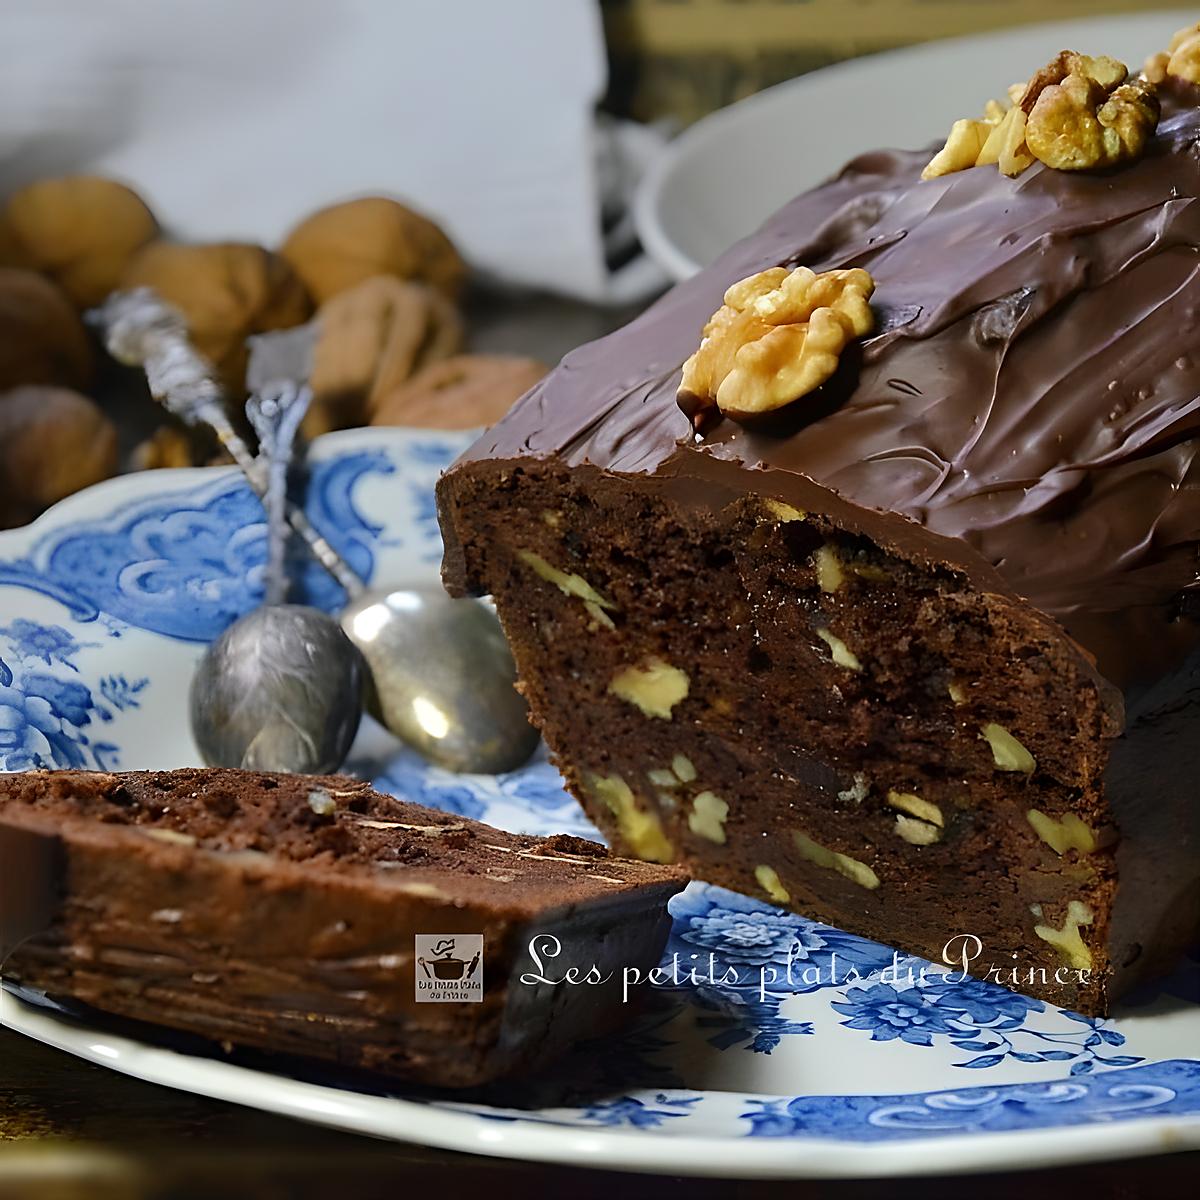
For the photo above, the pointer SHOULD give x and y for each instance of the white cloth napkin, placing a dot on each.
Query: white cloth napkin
(235, 118)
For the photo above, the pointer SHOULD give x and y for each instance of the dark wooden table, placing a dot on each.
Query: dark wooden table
(70, 1130)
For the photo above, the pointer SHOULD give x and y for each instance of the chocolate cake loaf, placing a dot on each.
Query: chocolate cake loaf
(862, 572)
(281, 912)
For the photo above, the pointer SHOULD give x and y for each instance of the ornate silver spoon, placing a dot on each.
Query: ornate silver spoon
(281, 688)
(441, 671)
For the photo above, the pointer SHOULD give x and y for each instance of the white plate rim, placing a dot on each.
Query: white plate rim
(397, 1119)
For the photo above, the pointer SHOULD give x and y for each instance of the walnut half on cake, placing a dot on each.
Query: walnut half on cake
(899, 628)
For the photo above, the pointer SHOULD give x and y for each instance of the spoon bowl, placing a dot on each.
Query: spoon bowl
(279, 690)
(443, 678)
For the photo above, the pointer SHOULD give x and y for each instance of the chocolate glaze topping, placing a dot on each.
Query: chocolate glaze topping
(1026, 411)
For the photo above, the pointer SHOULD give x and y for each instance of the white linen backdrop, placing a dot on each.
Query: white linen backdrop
(235, 118)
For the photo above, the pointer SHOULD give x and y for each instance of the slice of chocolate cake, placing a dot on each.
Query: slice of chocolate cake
(881, 601)
(314, 916)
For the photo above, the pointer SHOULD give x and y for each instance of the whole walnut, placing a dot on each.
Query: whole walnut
(42, 339)
(344, 244)
(81, 230)
(369, 340)
(53, 442)
(227, 291)
(460, 392)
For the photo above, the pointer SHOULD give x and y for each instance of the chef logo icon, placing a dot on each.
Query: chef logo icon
(449, 968)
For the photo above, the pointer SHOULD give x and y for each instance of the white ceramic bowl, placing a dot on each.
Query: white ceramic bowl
(720, 179)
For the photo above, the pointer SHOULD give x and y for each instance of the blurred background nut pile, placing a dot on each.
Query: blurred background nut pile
(463, 389)
(227, 291)
(378, 285)
(345, 244)
(54, 441)
(370, 339)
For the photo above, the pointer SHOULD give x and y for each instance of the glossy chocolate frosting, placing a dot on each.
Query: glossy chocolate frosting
(1026, 411)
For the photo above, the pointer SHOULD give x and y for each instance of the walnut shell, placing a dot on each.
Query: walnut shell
(460, 392)
(42, 339)
(340, 246)
(227, 291)
(369, 340)
(80, 230)
(53, 442)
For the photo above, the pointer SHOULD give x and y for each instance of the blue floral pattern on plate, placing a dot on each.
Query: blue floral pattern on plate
(758, 1014)
(188, 563)
(1172, 1086)
(48, 716)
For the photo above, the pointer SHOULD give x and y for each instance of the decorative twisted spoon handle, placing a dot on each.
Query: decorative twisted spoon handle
(276, 412)
(141, 330)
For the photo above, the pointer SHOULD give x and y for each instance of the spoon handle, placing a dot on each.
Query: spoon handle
(345, 575)
(141, 329)
(275, 412)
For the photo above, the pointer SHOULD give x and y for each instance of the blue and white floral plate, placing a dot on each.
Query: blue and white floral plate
(862, 1065)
